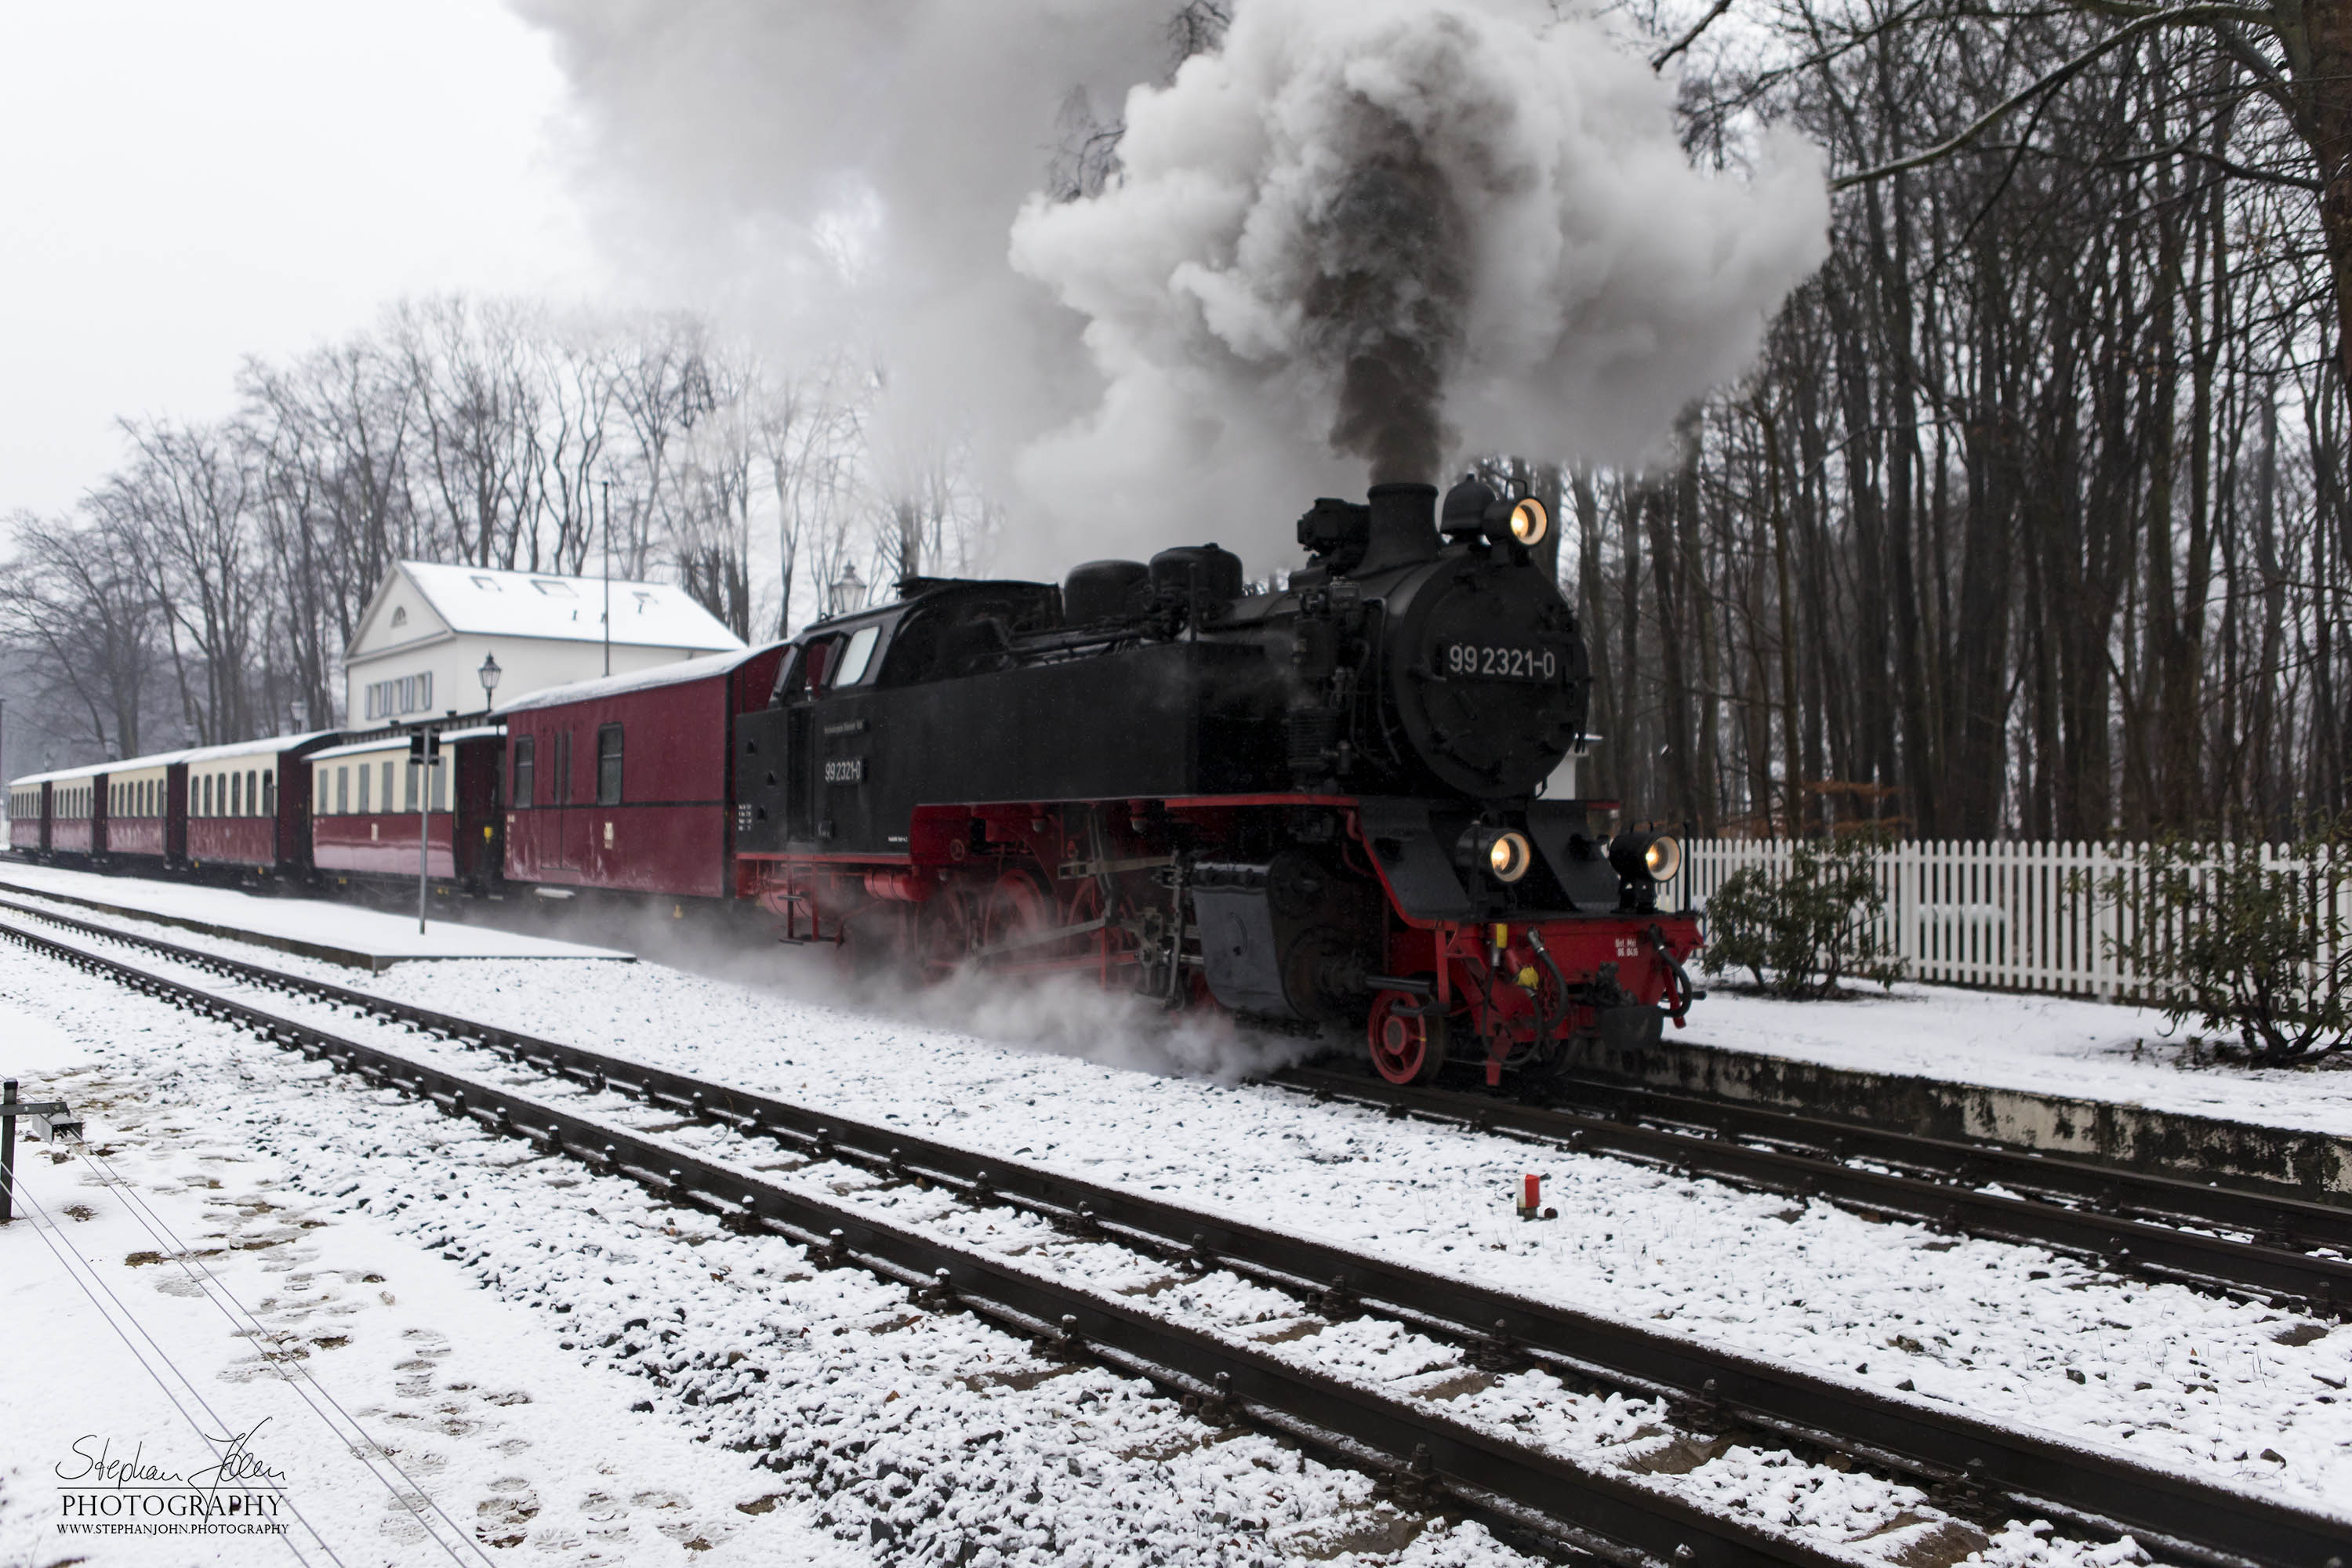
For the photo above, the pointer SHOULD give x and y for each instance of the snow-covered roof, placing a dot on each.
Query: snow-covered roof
(64, 775)
(480, 601)
(166, 759)
(684, 669)
(385, 744)
(148, 763)
(270, 746)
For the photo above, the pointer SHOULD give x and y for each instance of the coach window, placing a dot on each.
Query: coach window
(608, 765)
(343, 791)
(559, 786)
(441, 781)
(269, 792)
(523, 768)
(386, 771)
(364, 771)
(252, 792)
(236, 795)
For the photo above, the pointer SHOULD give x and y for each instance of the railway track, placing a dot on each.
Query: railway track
(2284, 1250)
(1975, 1467)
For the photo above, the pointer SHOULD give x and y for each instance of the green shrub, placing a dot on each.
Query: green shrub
(1802, 934)
(2243, 946)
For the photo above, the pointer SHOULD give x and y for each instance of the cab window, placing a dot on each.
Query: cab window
(856, 656)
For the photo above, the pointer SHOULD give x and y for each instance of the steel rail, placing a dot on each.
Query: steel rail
(1429, 1456)
(2267, 1265)
(2182, 1516)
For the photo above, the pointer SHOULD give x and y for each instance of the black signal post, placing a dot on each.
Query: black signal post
(54, 1120)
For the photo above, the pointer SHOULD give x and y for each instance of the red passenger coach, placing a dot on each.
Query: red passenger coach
(28, 814)
(73, 807)
(624, 783)
(146, 811)
(248, 804)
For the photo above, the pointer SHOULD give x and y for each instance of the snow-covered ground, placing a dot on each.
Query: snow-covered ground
(2237, 1392)
(321, 921)
(559, 1362)
(302, 1324)
(2049, 1045)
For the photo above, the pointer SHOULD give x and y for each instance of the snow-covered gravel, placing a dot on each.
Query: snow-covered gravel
(1881, 1519)
(475, 1404)
(2015, 1333)
(2238, 1392)
(736, 1399)
(325, 921)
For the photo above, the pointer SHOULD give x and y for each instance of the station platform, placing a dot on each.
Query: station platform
(334, 933)
(2073, 1077)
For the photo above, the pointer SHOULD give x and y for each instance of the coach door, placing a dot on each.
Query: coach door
(564, 854)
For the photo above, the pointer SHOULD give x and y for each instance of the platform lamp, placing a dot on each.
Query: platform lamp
(848, 591)
(489, 675)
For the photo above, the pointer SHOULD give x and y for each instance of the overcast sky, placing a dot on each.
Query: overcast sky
(185, 183)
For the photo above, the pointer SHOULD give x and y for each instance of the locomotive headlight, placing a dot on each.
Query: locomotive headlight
(1500, 852)
(1662, 858)
(1646, 857)
(1529, 521)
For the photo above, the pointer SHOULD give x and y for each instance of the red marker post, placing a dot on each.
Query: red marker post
(1530, 1205)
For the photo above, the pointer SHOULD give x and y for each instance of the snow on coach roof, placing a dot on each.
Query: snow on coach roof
(481, 601)
(65, 775)
(684, 669)
(268, 744)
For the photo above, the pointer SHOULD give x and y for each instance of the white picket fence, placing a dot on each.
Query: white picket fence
(2002, 916)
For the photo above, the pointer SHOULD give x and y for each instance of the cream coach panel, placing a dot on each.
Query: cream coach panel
(140, 791)
(237, 787)
(371, 782)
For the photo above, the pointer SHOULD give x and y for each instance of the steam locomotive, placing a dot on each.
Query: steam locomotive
(1342, 805)
(1322, 806)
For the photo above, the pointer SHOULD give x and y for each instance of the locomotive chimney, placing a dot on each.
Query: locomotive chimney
(1403, 530)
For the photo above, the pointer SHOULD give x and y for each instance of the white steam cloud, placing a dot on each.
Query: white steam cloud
(1359, 241)
(1396, 230)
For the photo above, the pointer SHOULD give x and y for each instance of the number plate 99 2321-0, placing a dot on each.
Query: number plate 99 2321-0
(1497, 661)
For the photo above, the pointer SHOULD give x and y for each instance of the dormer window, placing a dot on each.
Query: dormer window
(645, 600)
(554, 590)
(487, 585)
(400, 616)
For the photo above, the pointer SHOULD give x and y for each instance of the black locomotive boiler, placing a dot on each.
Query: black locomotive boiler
(1323, 806)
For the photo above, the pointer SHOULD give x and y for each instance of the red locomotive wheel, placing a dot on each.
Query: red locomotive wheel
(944, 928)
(1407, 1047)
(1014, 907)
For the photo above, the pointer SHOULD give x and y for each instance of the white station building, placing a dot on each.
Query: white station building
(419, 649)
